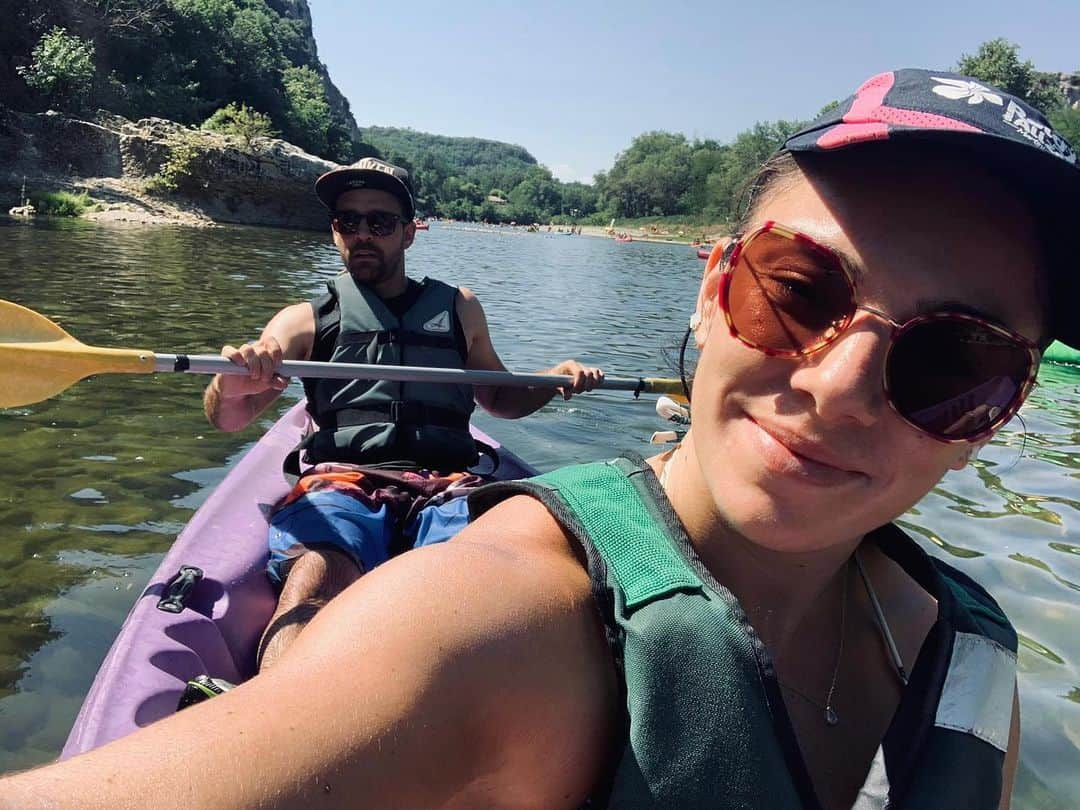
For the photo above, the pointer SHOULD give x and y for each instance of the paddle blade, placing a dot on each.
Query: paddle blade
(38, 359)
(21, 325)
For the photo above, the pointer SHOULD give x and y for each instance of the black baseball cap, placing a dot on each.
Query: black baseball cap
(988, 125)
(367, 172)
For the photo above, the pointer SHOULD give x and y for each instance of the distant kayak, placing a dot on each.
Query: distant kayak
(703, 253)
(421, 225)
(626, 238)
(1060, 353)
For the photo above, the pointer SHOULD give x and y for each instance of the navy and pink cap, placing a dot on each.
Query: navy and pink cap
(987, 124)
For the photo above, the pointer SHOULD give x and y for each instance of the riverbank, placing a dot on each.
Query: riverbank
(686, 236)
(154, 171)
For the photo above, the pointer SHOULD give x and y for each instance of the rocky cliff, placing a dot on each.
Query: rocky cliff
(116, 161)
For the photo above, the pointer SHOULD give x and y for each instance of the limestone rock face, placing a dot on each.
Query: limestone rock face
(218, 178)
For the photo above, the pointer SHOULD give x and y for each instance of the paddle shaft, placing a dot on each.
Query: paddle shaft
(38, 360)
(213, 364)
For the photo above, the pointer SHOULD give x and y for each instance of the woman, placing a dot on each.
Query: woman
(735, 623)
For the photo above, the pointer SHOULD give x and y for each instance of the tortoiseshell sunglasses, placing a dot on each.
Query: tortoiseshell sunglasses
(954, 376)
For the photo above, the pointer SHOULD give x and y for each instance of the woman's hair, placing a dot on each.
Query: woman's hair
(774, 173)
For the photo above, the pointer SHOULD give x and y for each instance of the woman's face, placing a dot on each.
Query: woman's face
(804, 454)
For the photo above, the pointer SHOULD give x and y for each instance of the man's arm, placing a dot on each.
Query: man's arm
(232, 401)
(495, 689)
(506, 401)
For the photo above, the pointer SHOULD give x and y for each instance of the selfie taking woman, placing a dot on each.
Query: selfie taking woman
(737, 622)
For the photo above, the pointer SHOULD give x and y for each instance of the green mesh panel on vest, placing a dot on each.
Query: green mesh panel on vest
(701, 729)
(646, 565)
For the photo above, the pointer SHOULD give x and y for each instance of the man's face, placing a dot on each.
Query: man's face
(377, 261)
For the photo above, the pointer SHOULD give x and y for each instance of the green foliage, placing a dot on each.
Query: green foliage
(663, 174)
(177, 173)
(61, 203)
(61, 68)
(177, 59)
(997, 62)
(453, 177)
(649, 177)
(1066, 120)
(242, 121)
(307, 112)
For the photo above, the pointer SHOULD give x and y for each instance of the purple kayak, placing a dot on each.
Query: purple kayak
(215, 621)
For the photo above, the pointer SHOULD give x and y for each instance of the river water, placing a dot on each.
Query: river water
(101, 478)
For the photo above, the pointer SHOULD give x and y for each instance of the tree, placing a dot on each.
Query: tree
(650, 177)
(242, 121)
(133, 19)
(307, 112)
(726, 186)
(536, 197)
(61, 68)
(997, 62)
(1066, 120)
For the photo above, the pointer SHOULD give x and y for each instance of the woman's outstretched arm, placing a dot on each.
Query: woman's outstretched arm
(464, 675)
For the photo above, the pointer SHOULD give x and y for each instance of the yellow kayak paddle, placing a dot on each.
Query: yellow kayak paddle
(39, 360)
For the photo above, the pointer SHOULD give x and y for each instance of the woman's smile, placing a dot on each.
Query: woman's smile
(786, 454)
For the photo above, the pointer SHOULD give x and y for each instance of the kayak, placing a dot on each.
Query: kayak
(1060, 353)
(703, 253)
(208, 602)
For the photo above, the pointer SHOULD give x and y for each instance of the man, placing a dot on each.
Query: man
(390, 457)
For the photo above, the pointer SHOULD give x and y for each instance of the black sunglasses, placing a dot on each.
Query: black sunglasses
(379, 223)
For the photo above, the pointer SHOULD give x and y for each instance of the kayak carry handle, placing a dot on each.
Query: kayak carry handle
(179, 589)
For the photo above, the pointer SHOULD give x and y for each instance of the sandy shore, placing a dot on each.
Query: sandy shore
(685, 236)
(691, 238)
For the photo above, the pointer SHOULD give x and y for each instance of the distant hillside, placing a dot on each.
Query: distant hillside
(176, 59)
(490, 164)
(473, 178)
(467, 153)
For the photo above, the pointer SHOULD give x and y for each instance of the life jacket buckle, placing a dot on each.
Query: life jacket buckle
(402, 411)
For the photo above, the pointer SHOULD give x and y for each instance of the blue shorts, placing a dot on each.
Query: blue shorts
(335, 520)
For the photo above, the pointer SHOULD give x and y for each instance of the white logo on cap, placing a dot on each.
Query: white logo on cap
(440, 323)
(1038, 133)
(959, 89)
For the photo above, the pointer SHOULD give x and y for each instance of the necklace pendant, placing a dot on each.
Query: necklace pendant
(830, 717)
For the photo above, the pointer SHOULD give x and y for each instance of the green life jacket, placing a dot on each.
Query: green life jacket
(376, 421)
(705, 723)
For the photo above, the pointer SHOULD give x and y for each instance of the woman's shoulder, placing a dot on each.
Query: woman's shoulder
(918, 580)
(519, 525)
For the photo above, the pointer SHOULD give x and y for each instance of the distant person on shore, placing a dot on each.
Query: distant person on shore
(391, 459)
(738, 622)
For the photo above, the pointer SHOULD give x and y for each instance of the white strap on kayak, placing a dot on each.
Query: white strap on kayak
(666, 437)
(672, 411)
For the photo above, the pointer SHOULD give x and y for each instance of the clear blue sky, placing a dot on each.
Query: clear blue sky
(575, 82)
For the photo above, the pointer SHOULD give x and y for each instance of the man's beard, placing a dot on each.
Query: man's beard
(370, 265)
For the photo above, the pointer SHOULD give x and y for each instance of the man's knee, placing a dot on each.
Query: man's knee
(317, 576)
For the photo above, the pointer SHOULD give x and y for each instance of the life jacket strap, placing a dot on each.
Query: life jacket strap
(406, 337)
(399, 412)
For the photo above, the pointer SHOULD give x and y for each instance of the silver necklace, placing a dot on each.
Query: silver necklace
(829, 713)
